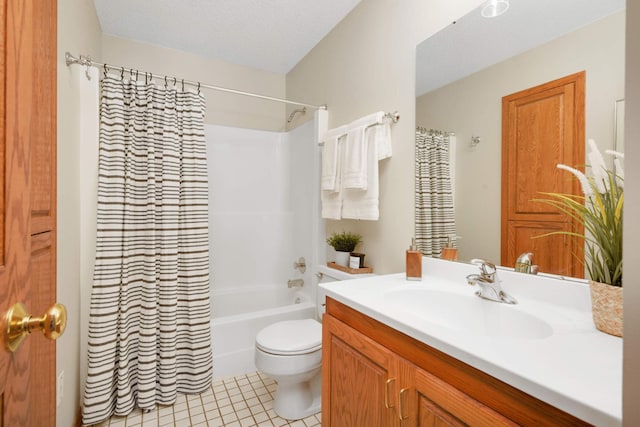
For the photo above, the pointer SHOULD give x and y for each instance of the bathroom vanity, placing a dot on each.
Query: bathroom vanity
(432, 353)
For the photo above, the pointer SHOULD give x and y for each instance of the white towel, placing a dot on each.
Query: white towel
(331, 204)
(354, 167)
(330, 177)
(383, 139)
(332, 200)
(363, 204)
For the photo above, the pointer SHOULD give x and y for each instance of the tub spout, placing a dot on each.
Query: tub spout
(295, 283)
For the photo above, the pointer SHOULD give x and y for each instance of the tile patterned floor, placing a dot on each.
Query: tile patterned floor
(241, 401)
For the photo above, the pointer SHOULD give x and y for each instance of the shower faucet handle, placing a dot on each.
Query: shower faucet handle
(301, 264)
(295, 283)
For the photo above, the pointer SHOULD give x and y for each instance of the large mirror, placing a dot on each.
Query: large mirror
(465, 70)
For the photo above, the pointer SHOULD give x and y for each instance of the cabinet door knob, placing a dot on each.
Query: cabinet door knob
(386, 393)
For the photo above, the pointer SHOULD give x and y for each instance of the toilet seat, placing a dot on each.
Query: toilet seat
(291, 337)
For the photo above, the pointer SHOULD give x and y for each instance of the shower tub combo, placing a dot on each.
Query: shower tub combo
(259, 210)
(239, 314)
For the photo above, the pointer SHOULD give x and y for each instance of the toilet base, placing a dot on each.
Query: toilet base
(298, 400)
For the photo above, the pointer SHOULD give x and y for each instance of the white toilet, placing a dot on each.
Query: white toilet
(290, 352)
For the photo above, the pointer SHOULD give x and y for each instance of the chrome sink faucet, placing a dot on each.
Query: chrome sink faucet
(488, 283)
(524, 264)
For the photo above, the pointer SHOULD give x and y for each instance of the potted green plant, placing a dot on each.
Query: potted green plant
(344, 243)
(599, 210)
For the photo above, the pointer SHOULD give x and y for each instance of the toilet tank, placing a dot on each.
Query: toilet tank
(327, 274)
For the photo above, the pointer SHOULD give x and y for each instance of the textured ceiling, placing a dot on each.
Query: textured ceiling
(474, 43)
(271, 35)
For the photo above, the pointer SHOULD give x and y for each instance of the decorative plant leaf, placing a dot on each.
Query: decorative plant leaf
(601, 215)
(344, 241)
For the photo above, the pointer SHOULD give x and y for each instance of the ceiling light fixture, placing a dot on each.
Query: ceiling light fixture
(493, 8)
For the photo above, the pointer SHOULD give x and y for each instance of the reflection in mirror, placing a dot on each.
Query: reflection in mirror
(464, 71)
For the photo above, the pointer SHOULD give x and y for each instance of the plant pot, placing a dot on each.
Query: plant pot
(606, 303)
(342, 258)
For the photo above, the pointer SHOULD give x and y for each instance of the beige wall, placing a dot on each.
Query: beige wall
(631, 378)
(78, 32)
(367, 64)
(222, 108)
(473, 106)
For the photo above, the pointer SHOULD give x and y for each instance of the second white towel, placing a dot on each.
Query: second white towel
(364, 204)
(354, 169)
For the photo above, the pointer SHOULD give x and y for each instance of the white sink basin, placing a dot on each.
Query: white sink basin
(468, 313)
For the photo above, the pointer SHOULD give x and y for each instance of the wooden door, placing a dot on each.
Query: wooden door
(360, 381)
(542, 127)
(28, 202)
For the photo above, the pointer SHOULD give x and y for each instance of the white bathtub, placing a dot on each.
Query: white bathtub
(238, 315)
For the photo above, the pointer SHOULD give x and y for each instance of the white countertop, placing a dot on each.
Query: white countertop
(576, 368)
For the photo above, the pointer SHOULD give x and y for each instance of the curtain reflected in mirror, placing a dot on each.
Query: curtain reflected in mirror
(435, 219)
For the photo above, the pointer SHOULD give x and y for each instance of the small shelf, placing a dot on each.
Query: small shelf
(362, 270)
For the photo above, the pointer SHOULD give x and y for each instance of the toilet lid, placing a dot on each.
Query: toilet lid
(291, 337)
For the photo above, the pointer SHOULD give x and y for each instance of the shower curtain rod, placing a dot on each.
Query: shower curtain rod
(434, 131)
(88, 62)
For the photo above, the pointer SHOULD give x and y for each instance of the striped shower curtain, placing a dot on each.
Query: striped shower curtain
(435, 219)
(149, 334)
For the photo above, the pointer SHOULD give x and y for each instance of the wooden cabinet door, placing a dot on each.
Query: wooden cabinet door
(542, 127)
(360, 382)
(28, 203)
(438, 404)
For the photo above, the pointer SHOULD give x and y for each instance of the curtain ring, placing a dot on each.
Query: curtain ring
(198, 88)
(174, 82)
(122, 73)
(183, 85)
(105, 70)
(165, 82)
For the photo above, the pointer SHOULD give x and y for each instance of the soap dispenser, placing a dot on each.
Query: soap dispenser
(414, 262)
(449, 252)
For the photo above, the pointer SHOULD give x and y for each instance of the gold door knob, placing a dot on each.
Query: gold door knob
(19, 324)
